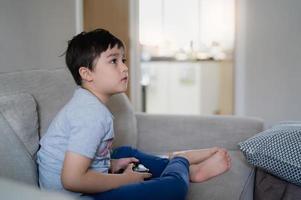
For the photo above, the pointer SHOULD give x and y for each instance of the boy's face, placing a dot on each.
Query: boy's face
(110, 74)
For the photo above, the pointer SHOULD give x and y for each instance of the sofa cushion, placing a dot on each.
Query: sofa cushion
(165, 133)
(277, 150)
(125, 125)
(16, 162)
(20, 112)
(237, 183)
(50, 88)
(12, 190)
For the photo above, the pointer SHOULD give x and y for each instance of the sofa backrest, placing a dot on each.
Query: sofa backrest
(51, 89)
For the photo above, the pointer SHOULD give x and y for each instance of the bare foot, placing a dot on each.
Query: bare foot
(195, 156)
(215, 165)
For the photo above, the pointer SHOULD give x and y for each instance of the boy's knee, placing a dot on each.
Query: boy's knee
(122, 152)
(179, 186)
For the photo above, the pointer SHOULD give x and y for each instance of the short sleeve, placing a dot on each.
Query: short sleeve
(88, 126)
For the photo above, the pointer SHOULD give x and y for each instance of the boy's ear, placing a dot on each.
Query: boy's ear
(85, 74)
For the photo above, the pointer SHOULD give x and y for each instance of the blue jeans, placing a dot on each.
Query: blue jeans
(170, 179)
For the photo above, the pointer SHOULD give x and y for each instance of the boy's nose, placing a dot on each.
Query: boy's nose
(124, 68)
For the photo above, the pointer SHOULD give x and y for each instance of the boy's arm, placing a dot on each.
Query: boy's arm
(77, 177)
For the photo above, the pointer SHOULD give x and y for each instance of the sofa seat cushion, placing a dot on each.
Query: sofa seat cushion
(237, 183)
(18, 138)
(12, 190)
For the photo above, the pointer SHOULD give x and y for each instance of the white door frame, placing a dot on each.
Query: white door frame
(79, 12)
(135, 71)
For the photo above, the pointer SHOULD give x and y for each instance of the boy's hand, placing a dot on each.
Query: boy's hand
(136, 176)
(121, 164)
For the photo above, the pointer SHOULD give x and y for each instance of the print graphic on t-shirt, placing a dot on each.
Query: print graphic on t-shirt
(105, 147)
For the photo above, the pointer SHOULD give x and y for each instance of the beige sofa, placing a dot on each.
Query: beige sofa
(30, 99)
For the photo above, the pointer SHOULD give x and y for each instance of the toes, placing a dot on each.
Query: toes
(222, 151)
(219, 150)
(215, 149)
(229, 165)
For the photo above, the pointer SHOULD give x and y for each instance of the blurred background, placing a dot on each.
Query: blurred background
(198, 57)
(187, 56)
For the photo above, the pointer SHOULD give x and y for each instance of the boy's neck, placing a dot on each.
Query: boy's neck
(101, 97)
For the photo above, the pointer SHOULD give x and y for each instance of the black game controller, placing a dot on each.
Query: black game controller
(139, 168)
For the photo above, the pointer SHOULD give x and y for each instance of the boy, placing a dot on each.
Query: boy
(75, 152)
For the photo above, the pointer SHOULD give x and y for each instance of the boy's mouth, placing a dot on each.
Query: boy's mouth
(124, 79)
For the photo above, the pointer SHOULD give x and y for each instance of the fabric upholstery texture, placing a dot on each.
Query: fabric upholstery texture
(20, 111)
(277, 150)
(13, 190)
(16, 162)
(163, 133)
(50, 88)
(125, 124)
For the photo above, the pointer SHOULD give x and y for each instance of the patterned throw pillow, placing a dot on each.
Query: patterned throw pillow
(277, 151)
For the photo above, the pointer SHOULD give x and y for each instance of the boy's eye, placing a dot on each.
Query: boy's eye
(123, 60)
(114, 61)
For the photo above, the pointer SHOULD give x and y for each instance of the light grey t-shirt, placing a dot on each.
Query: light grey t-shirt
(83, 126)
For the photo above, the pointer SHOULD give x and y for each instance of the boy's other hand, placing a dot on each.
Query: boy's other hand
(136, 176)
(120, 164)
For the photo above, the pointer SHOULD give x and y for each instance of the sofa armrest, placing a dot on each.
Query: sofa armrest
(164, 133)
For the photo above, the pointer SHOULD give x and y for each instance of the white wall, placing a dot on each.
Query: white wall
(34, 33)
(268, 59)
